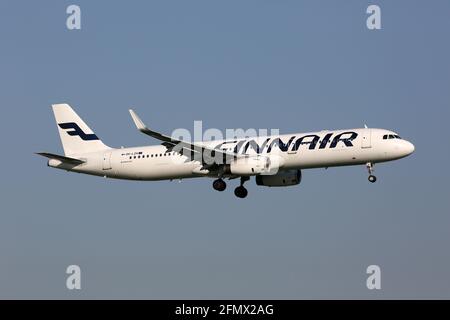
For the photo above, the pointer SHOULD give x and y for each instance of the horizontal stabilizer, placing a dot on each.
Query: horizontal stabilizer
(61, 158)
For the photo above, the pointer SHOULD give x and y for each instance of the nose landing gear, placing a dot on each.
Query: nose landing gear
(241, 191)
(371, 177)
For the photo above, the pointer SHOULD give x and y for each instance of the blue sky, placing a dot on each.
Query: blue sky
(296, 66)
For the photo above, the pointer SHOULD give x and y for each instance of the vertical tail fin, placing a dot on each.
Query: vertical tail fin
(76, 136)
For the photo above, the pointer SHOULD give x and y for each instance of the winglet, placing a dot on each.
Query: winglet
(137, 121)
(144, 129)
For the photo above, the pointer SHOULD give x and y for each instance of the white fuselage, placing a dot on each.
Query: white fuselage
(326, 148)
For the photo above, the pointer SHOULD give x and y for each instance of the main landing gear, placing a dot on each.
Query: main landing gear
(369, 166)
(219, 185)
(241, 191)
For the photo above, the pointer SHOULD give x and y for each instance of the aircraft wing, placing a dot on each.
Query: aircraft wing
(172, 142)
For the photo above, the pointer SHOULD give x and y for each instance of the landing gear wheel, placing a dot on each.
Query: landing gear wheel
(240, 192)
(219, 185)
(369, 166)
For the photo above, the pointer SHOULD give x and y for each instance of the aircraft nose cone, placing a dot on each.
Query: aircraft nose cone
(402, 148)
(410, 147)
(407, 148)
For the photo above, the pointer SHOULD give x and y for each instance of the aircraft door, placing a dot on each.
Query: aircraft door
(366, 141)
(107, 161)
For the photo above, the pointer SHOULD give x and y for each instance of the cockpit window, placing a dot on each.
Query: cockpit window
(391, 136)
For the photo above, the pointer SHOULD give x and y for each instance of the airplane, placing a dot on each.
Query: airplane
(274, 161)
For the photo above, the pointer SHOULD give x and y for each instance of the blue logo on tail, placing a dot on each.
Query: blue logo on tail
(77, 131)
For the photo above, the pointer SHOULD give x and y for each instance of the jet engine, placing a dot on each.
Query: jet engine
(281, 179)
(248, 166)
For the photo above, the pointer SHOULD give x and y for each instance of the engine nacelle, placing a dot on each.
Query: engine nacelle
(281, 179)
(248, 166)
